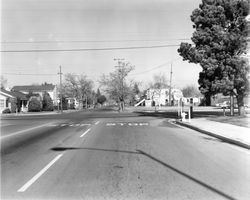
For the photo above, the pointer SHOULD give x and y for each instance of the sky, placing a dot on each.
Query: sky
(83, 27)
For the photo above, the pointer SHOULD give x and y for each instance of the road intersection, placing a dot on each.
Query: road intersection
(104, 155)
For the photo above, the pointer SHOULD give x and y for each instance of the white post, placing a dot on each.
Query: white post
(189, 114)
(179, 108)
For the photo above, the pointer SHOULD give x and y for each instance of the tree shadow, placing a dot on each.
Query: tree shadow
(188, 176)
(92, 149)
(140, 152)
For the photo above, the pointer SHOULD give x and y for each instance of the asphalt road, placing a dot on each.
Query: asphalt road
(109, 155)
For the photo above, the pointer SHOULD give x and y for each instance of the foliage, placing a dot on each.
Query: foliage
(78, 86)
(6, 111)
(190, 91)
(13, 102)
(116, 85)
(159, 83)
(34, 105)
(101, 99)
(135, 93)
(219, 41)
(47, 103)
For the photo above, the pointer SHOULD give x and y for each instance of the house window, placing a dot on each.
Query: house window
(2, 103)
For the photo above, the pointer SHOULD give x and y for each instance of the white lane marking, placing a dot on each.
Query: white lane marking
(77, 124)
(85, 132)
(128, 124)
(32, 180)
(23, 131)
(63, 125)
(85, 124)
(97, 122)
(110, 124)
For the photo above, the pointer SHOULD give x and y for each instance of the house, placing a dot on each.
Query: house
(72, 103)
(7, 101)
(39, 89)
(161, 96)
(12, 100)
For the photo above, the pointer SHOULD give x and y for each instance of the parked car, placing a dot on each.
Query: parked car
(225, 104)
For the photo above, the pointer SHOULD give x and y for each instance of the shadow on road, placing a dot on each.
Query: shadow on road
(140, 152)
(187, 176)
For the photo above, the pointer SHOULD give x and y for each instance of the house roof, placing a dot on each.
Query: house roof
(14, 94)
(34, 88)
(6, 93)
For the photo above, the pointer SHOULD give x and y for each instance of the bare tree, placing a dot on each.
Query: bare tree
(159, 82)
(78, 86)
(115, 84)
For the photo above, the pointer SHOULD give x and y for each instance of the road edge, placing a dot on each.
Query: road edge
(224, 139)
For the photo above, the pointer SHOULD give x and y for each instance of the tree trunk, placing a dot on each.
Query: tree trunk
(207, 99)
(240, 103)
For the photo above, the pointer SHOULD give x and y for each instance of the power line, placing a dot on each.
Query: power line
(87, 49)
(20, 74)
(88, 41)
(154, 68)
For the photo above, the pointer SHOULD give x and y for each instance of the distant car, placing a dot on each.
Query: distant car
(225, 104)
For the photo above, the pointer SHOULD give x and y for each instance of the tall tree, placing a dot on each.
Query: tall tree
(220, 38)
(190, 91)
(159, 83)
(116, 85)
(79, 87)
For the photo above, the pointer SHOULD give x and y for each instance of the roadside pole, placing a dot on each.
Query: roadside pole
(170, 87)
(60, 73)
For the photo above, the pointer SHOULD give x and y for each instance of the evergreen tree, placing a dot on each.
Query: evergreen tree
(219, 41)
(47, 102)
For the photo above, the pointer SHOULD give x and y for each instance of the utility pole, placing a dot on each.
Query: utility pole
(170, 86)
(121, 104)
(60, 73)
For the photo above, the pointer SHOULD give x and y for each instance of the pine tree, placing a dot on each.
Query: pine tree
(219, 41)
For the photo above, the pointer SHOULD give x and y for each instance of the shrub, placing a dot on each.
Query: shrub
(6, 110)
(101, 99)
(47, 102)
(34, 105)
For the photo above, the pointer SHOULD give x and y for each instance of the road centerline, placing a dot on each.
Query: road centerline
(34, 178)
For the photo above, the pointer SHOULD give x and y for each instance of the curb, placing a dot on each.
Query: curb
(224, 139)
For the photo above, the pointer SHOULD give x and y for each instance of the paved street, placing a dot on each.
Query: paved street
(103, 154)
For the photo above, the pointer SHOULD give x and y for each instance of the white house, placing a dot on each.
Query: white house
(39, 89)
(161, 96)
(5, 100)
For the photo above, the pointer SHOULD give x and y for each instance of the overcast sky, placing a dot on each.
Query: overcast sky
(94, 24)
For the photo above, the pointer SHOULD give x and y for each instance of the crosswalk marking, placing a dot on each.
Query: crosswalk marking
(127, 124)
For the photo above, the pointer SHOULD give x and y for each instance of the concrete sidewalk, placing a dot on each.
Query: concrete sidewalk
(227, 132)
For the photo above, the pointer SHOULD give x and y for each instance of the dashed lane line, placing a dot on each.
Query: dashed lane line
(85, 132)
(34, 178)
(97, 122)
